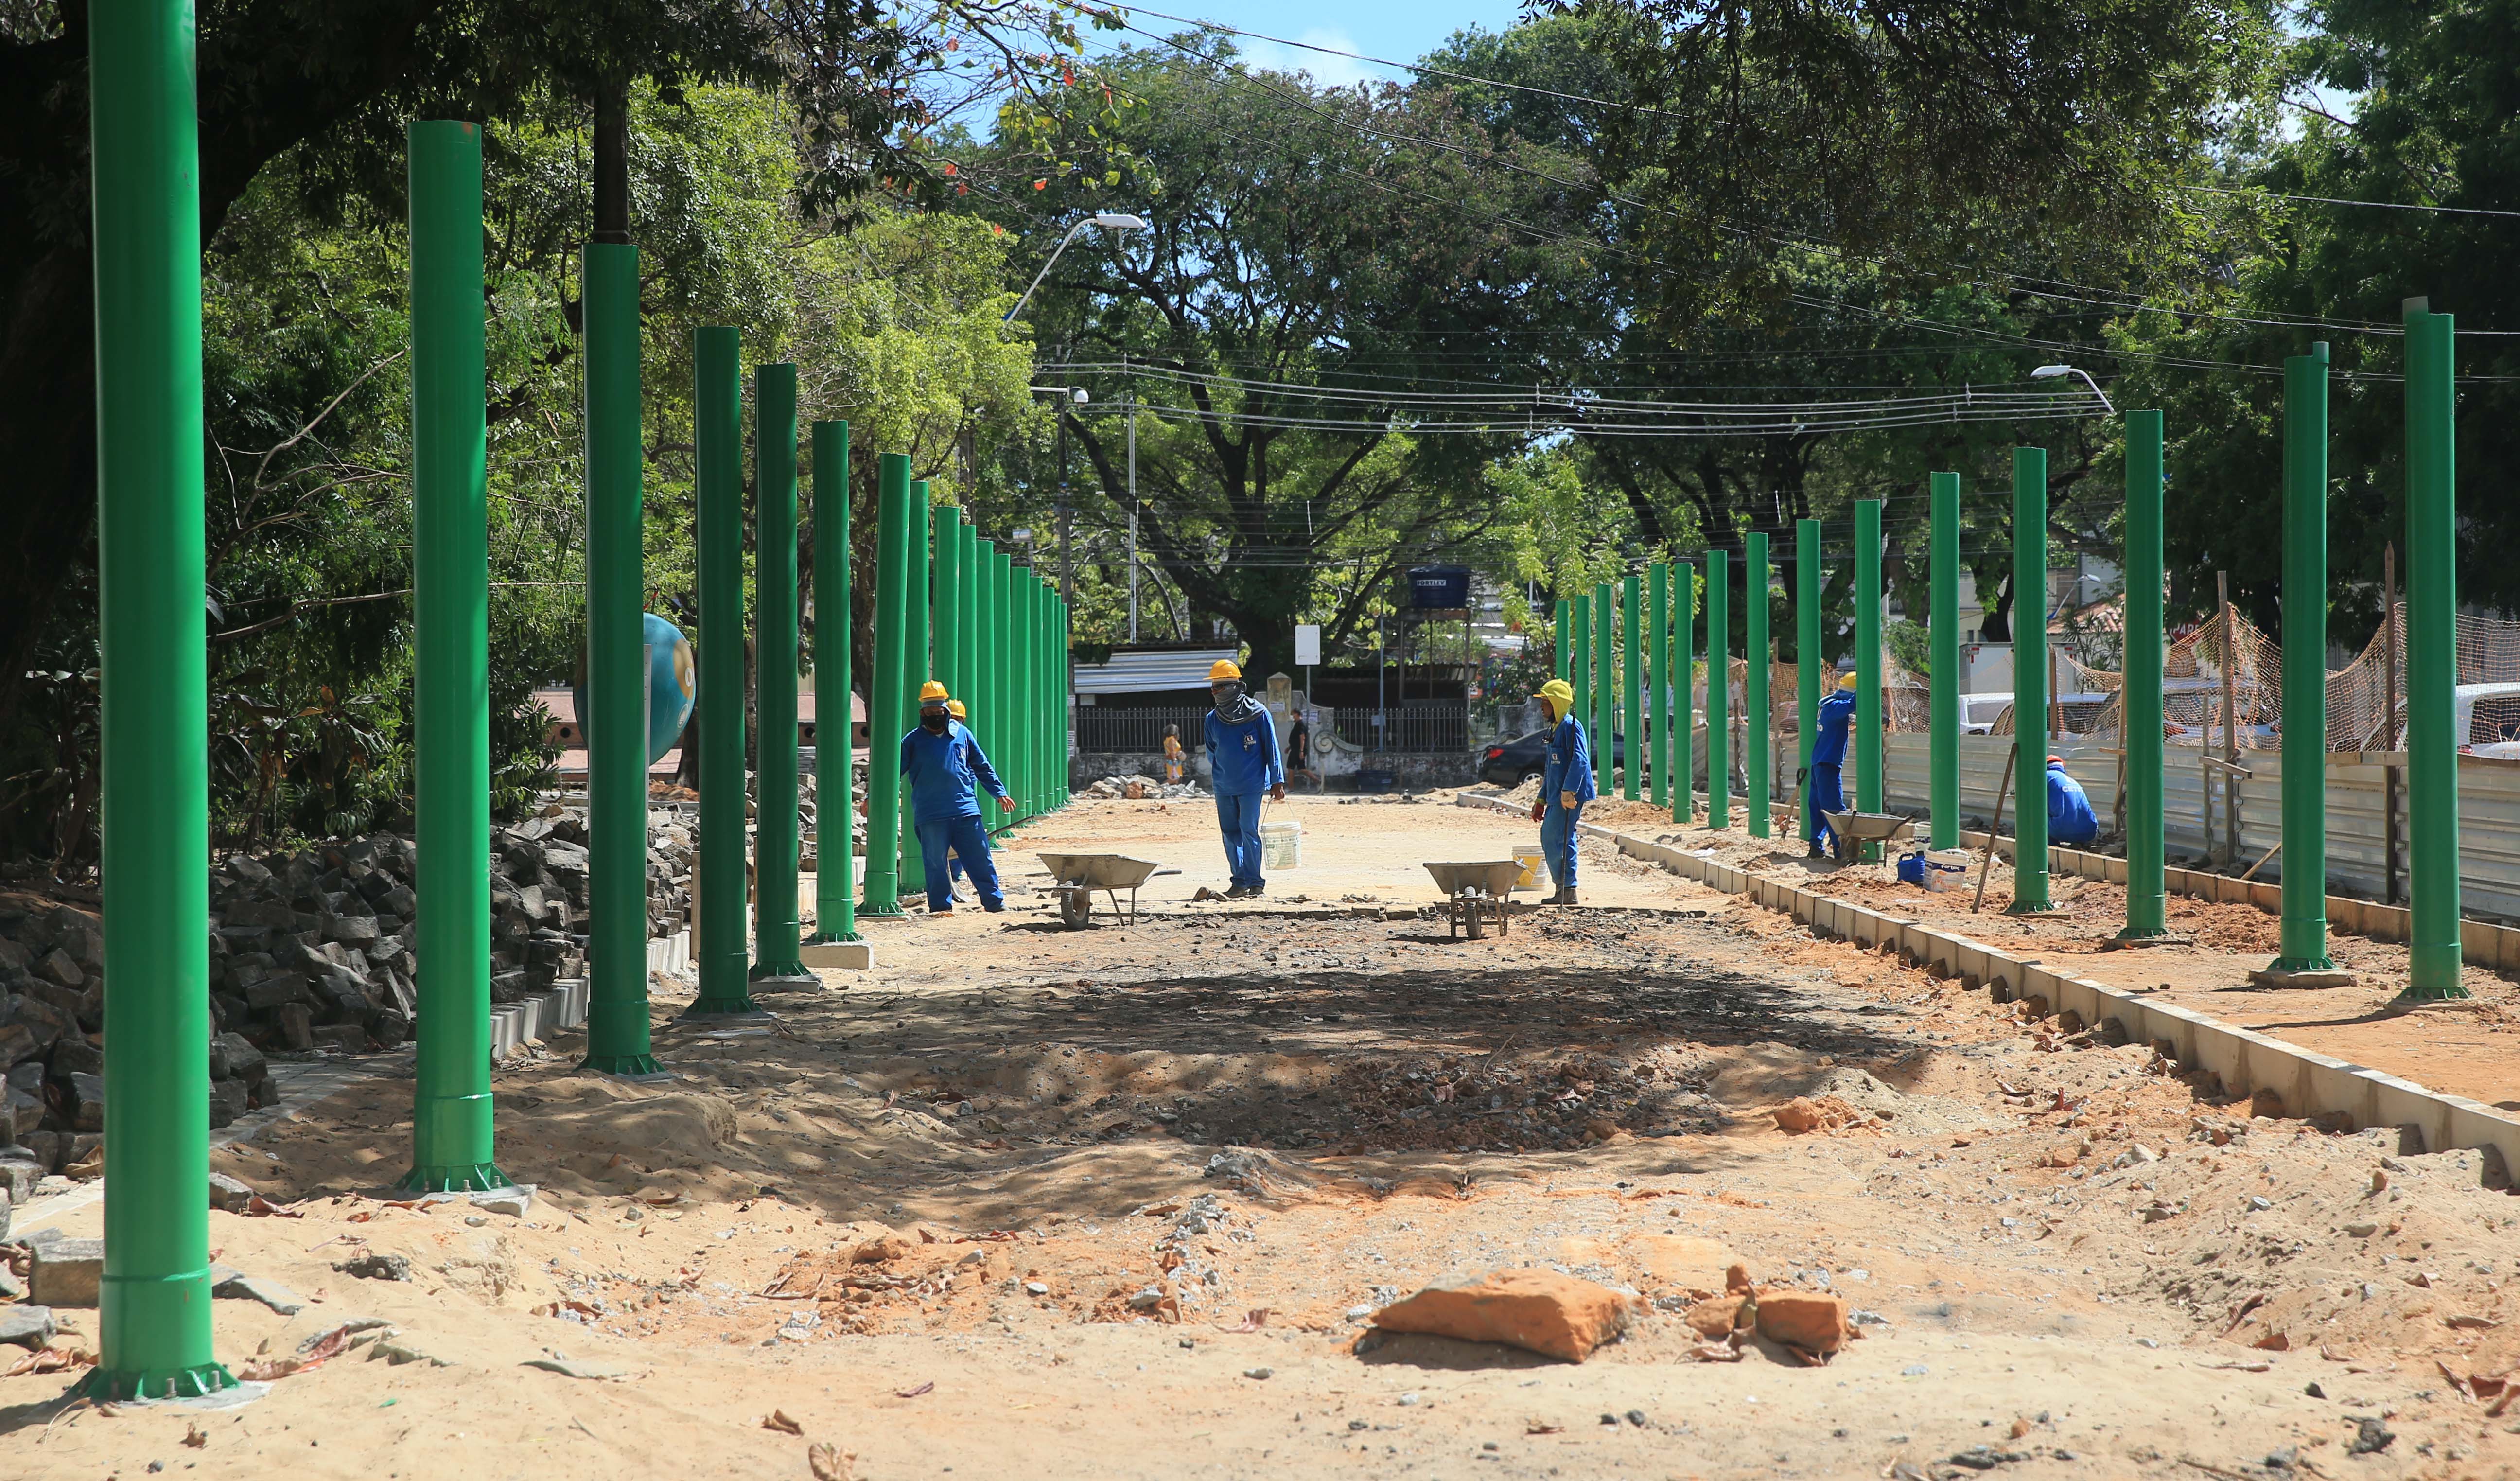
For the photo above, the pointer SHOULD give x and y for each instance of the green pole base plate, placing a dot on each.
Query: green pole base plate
(629, 1066)
(831, 938)
(871, 910)
(2034, 907)
(460, 1178)
(124, 1384)
(2147, 936)
(766, 970)
(708, 1010)
(794, 979)
(2301, 972)
(2415, 996)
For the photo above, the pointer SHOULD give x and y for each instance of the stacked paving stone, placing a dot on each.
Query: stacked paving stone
(310, 952)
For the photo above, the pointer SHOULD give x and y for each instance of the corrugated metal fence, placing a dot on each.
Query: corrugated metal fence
(2489, 808)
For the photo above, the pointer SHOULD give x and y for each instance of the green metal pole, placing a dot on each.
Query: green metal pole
(1579, 661)
(2148, 912)
(616, 670)
(1658, 677)
(1944, 787)
(1683, 666)
(717, 435)
(1063, 684)
(966, 618)
(1002, 701)
(1755, 705)
(1867, 656)
(917, 666)
(834, 784)
(2029, 679)
(1719, 691)
(776, 932)
(945, 521)
(154, 1326)
(1631, 685)
(1027, 666)
(451, 1120)
(1558, 633)
(1606, 686)
(1808, 658)
(2304, 931)
(885, 692)
(2432, 657)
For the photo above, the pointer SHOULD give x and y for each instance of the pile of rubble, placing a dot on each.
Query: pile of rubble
(1139, 789)
(310, 952)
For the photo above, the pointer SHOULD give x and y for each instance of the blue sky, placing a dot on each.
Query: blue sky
(1401, 29)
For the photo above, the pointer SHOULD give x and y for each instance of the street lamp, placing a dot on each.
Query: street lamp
(1109, 221)
(2051, 372)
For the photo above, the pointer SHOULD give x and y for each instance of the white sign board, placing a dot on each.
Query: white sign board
(1308, 645)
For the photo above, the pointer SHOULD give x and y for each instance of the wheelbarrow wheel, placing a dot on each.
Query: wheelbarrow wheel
(1075, 905)
(1478, 914)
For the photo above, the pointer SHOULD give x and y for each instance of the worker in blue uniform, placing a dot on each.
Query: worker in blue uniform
(1565, 785)
(946, 772)
(1244, 764)
(1826, 793)
(2070, 819)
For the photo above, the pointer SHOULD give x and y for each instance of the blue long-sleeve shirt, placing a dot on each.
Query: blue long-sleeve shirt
(2070, 819)
(1836, 719)
(946, 773)
(1571, 764)
(1243, 759)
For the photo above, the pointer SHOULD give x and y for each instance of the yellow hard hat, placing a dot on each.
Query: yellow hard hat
(931, 691)
(1561, 695)
(960, 713)
(1223, 669)
(1846, 681)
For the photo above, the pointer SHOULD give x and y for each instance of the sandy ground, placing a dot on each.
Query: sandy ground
(2464, 1048)
(1118, 1203)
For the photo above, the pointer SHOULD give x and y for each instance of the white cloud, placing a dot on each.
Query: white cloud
(1328, 71)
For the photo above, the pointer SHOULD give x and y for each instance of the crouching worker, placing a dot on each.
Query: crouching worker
(2070, 820)
(946, 772)
(1565, 785)
(1827, 789)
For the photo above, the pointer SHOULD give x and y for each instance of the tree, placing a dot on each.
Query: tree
(1315, 257)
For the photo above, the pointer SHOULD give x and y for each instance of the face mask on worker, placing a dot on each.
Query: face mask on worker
(933, 721)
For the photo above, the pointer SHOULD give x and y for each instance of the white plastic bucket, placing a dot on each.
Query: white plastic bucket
(1281, 845)
(1529, 856)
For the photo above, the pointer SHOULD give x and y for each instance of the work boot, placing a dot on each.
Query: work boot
(1567, 896)
(1239, 893)
(1817, 852)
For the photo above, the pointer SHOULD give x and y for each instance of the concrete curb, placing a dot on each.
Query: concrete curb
(2311, 1084)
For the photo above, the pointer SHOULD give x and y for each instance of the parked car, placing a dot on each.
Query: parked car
(1510, 763)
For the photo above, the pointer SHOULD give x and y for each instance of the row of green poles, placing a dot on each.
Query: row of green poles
(1632, 685)
(776, 932)
(835, 769)
(153, 1327)
(1719, 699)
(1760, 753)
(1867, 656)
(1658, 680)
(1809, 582)
(1684, 662)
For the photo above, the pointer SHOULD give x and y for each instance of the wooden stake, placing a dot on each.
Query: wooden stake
(1986, 865)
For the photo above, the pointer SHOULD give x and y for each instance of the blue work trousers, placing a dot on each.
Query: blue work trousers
(1827, 795)
(966, 837)
(1237, 816)
(1557, 842)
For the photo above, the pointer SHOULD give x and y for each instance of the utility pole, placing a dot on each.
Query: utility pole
(1133, 509)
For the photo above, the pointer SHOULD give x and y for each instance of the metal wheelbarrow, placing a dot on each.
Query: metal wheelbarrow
(1474, 892)
(1849, 831)
(1074, 877)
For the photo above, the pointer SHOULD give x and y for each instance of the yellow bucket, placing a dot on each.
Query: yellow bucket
(1531, 859)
